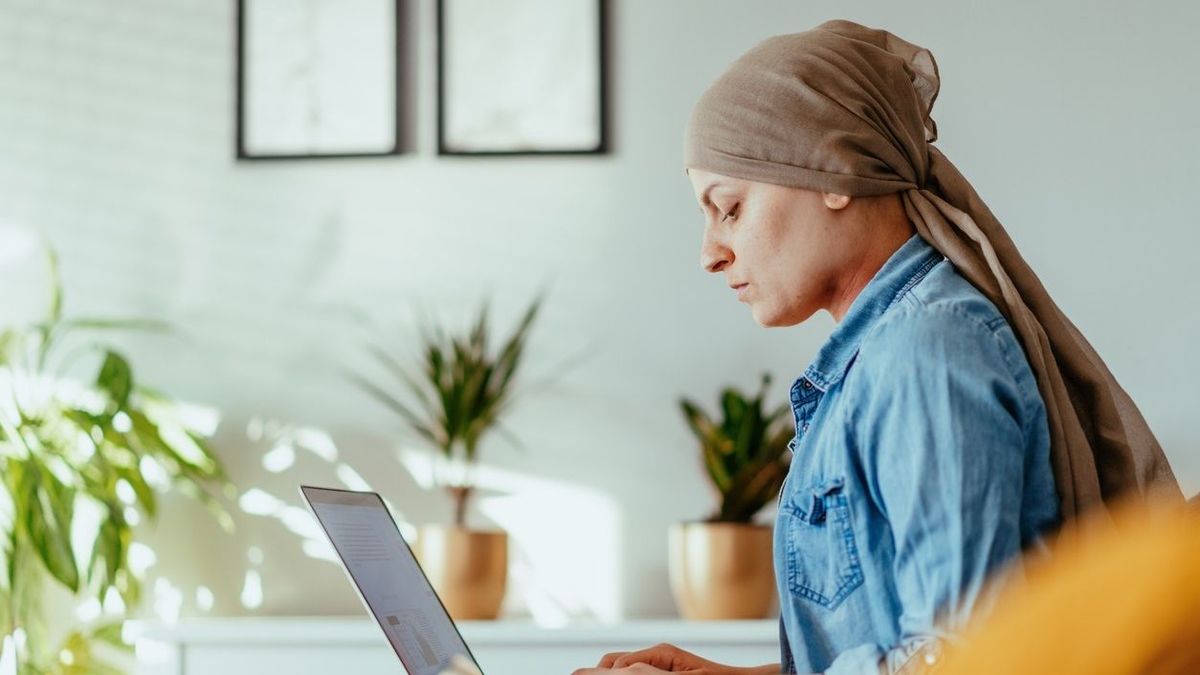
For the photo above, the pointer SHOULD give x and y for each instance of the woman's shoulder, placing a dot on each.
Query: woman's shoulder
(942, 305)
(944, 295)
(945, 322)
(947, 337)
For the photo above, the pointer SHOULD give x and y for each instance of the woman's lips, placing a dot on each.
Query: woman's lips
(741, 290)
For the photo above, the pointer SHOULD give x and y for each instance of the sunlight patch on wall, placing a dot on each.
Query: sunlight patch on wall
(564, 538)
(204, 598)
(168, 600)
(285, 440)
(279, 458)
(252, 592)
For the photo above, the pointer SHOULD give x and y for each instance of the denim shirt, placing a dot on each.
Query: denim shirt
(920, 465)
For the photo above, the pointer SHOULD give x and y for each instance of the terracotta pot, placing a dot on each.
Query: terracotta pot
(468, 568)
(722, 570)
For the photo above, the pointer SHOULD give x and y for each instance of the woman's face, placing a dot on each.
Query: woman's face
(786, 250)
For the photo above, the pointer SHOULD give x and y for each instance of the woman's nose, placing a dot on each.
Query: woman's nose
(714, 256)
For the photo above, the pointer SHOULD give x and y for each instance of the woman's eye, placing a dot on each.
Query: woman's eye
(731, 213)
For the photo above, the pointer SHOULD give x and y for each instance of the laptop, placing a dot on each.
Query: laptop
(390, 583)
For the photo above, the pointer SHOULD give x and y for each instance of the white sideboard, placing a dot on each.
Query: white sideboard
(299, 646)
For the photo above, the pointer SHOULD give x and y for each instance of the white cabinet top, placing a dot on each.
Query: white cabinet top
(361, 630)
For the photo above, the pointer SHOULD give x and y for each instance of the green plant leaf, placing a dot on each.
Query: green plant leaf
(109, 549)
(128, 585)
(748, 430)
(111, 633)
(697, 420)
(48, 513)
(27, 585)
(410, 417)
(510, 354)
(714, 456)
(116, 378)
(84, 657)
(9, 339)
(733, 405)
(754, 486)
(745, 454)
(460, 388)
(145, 494)
(44, 473)
(187, 451)
(393, 366)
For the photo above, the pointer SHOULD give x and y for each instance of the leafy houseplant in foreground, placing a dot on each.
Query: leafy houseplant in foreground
(722, 567)
(457, 396)
(83, 460)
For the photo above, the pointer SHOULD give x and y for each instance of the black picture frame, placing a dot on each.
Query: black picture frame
(448, 144)
(247, 141)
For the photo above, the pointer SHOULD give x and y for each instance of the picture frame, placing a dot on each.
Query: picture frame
(304, 91)
(522, 77)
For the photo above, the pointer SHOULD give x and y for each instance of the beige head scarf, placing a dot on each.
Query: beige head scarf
(843, 108)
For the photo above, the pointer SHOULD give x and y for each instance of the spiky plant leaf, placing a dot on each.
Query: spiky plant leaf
(744, 453)
(461, 388)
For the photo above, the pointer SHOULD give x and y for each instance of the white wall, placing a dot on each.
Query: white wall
(1074, 120)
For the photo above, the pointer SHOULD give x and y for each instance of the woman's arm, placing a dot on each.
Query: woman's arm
(942, 432)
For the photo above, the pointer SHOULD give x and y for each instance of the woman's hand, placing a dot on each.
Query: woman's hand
(667, 658)
(635, 669)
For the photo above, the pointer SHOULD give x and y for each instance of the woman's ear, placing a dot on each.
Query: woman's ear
(835, 201)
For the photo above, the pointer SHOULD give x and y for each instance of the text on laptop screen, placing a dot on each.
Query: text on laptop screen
(388, 578)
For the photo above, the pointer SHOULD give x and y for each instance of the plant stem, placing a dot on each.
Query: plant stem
(461, 494)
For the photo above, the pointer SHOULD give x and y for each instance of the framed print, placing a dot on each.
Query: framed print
(318, 78)
(519, 77)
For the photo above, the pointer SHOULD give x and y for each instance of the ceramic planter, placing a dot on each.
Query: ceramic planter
(468, 568)
(722, 570)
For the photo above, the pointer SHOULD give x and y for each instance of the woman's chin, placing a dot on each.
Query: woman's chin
(764, 317)
(769, 318)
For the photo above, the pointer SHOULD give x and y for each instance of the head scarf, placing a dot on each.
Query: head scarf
(844, 108)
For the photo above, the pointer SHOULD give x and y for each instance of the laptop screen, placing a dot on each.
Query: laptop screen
(388, 578)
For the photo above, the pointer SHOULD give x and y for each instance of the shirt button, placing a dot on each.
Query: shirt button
(804, 427)
(806, 384)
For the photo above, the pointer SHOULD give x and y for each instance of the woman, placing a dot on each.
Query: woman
(954, 416)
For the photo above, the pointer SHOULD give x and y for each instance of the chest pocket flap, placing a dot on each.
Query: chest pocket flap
(822, 557)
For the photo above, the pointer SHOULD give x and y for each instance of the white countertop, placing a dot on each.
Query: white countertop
(356, 630)
(320, 645)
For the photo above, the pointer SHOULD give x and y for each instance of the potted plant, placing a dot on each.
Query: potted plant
(74, 450)
(722, 567)
(453, 402)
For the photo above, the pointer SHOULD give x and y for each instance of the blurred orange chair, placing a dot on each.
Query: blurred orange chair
(1119, 595)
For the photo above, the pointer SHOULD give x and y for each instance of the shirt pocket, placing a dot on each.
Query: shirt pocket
(822, 557)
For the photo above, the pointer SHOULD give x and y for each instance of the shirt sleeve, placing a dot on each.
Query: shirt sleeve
(939, 425)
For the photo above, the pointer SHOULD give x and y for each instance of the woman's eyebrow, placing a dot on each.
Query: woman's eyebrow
(704, 199)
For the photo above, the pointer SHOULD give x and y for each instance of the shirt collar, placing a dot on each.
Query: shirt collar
(907, 266)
